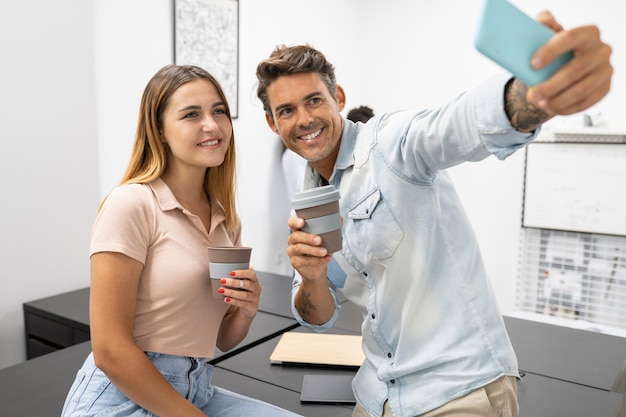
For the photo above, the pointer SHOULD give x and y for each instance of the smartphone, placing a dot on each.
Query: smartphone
(509, 37)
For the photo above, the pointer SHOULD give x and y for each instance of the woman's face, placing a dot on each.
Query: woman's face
(196, 127)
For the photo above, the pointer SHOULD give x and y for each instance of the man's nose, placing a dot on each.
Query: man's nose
(304, 117)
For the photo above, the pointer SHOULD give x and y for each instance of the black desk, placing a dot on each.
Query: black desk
(543, 396)
(255, 363)
(38, 387)
(538, 395)
(573, 355)
(54, 323)
(568, 373)
(280, 396)
(264, 327)
(59, 321)
(275, 293)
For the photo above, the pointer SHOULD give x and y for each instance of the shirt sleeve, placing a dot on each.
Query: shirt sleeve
(297, 280)
(123, 223)
(470, 127)
(494, 126)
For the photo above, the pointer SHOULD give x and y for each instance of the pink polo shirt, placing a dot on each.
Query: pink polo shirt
(176, 312)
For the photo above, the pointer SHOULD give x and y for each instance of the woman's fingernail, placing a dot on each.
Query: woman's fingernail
(220, 290)
(227, 299)
(223, 281)
(232, 273)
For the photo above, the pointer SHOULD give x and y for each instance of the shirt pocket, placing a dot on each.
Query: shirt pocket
(372, 228)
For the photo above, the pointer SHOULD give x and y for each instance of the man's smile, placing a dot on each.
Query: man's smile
(311, 135)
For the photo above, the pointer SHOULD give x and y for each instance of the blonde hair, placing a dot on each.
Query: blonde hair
(149, 157)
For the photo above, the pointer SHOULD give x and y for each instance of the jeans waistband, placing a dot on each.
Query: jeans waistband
(167, 363)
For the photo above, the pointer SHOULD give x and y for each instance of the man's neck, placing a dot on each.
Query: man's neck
(326, 166)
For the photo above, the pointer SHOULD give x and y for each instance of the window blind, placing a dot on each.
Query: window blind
(573, 275)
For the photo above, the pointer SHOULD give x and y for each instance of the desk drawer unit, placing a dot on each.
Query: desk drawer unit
(56, 322)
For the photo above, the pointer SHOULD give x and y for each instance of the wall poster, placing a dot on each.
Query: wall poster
(206, 34)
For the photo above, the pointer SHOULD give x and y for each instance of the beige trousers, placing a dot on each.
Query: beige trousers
(498, 399)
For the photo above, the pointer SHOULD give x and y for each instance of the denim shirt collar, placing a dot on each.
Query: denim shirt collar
(345, 158)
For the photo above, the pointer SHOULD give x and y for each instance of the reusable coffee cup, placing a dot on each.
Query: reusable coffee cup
(319, 207)
(223, 260)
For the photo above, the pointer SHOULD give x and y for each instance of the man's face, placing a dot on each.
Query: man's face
(307, 117)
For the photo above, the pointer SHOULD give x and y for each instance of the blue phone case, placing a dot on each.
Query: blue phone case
(509, 37)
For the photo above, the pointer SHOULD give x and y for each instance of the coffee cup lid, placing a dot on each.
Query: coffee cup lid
(314, 197)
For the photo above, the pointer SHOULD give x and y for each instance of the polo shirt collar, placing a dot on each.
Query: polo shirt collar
(167, 201)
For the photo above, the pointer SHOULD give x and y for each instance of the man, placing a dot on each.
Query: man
(433, 337)
(360, 114)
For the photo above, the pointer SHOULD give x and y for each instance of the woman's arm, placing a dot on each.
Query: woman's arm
(113, 293)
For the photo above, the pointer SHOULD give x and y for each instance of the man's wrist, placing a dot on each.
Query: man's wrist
(523, 115)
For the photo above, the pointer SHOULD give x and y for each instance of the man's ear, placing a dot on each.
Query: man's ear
(340, 97)
(271, 123)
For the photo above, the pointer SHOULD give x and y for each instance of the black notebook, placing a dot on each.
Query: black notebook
(335, 389)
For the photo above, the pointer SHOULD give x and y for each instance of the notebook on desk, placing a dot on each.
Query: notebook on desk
(331, 389)
(318, 349)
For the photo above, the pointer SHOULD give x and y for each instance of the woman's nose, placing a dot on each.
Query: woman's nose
(209, 123)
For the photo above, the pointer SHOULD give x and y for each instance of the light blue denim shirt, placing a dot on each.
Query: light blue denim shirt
(432, 329)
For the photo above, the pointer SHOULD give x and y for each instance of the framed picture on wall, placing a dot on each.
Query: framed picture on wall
(206, 34)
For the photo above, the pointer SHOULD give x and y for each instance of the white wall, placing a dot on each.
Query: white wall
(132, 40)
(392, 54)
(388, 55)
(425, 55)
(49, 166)
(130, 49)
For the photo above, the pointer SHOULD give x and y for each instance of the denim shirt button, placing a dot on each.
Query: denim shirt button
(373, 316)
(389, 354)
(393, 381)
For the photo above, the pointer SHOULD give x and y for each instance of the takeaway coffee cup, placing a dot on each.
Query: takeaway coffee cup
(319, 207)
(223, 260)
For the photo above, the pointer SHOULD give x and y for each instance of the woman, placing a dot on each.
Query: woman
(153, 319)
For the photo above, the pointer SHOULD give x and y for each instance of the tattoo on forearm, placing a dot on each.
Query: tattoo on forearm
(306, 305)
(524, 116)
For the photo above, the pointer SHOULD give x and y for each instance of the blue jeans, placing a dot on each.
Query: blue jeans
(93, 394)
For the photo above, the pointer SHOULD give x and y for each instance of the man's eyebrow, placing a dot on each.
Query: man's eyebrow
(281, 107)
(312, 95)
(306, 98)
